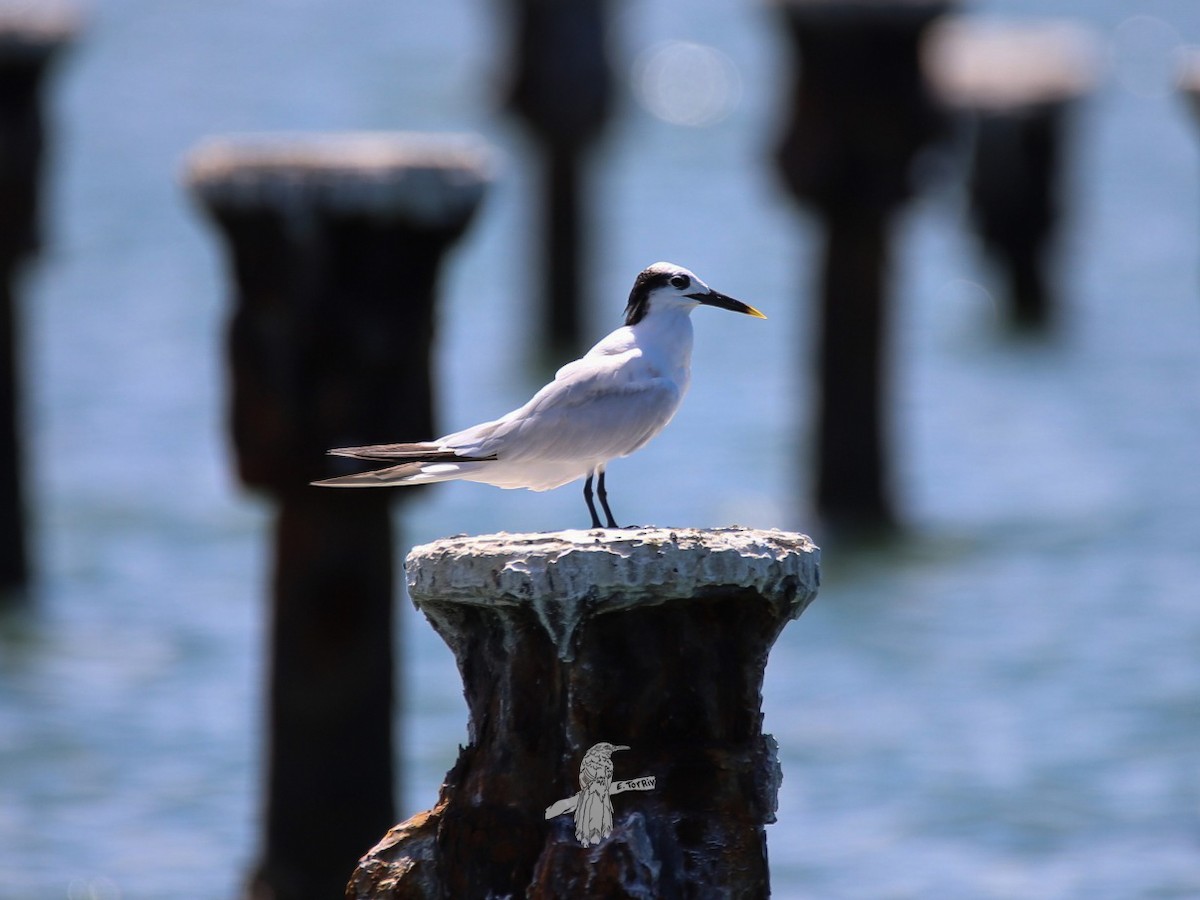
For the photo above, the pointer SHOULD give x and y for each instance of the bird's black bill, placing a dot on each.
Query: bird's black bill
(715, 298)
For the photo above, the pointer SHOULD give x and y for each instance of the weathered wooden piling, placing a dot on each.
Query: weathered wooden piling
(651, 639)
(860, 111)
(561, 88)
(335, 244)
(1018, 83)
(31, 37)
(1187, 78)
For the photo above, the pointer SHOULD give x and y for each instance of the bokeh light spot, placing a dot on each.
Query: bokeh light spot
(686, 83)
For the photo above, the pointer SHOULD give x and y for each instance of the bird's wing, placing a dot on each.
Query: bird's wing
(589, 771)
(400, 474)
(593, 412)
(597, 408)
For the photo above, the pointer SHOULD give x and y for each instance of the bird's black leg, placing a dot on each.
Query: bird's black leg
(587, 496)
(603, 494)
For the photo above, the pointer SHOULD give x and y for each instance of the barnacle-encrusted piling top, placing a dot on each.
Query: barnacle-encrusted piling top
(565, 575)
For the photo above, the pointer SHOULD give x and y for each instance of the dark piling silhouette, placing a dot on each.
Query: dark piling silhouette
(1018, 86)
(859, 113)
(334, 246)
(31, 38)
(561, 89)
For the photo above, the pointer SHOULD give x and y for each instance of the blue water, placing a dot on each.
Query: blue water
(1007, 705)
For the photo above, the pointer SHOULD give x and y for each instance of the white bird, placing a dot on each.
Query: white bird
(603, 406)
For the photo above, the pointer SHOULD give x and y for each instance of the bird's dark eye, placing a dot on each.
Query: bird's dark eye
(680, 281)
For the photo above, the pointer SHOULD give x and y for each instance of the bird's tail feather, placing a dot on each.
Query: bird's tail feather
(419, 472)
(420, 463)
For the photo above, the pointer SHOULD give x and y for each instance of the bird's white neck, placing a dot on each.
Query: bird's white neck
(665, 337)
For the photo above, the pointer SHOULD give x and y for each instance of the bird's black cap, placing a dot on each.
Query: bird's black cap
(639, 298)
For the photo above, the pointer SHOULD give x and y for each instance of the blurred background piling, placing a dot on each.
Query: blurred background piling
(1018, 85)
(561, 88)
(860, 113)
(1188, 74)
(31, 38)
(1000, 703)
(335, 244)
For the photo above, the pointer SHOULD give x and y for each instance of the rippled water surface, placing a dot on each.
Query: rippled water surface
(1006, 704)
